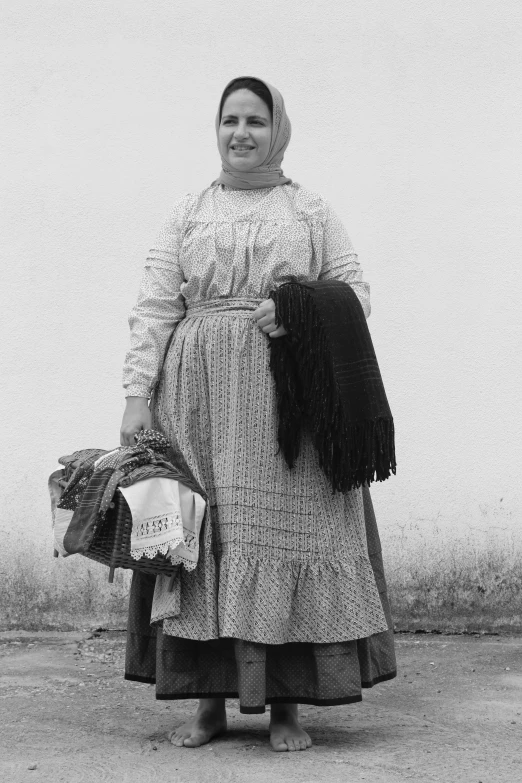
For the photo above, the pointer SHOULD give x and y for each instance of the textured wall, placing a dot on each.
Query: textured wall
(406, 116)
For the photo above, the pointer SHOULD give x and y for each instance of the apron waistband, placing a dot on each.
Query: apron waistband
(237, 306)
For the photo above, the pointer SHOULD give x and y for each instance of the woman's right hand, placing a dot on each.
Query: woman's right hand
(136, 418)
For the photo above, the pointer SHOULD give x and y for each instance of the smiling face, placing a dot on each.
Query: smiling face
(245, 130)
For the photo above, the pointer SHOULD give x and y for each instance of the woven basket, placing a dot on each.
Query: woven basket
(110, 544)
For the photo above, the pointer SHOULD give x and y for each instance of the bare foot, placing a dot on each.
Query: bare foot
(209, 721)
(285, 731)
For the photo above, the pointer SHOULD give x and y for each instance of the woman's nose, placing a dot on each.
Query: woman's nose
(241, 131)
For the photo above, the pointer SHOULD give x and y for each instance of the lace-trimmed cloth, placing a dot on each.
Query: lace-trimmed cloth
(166, 519)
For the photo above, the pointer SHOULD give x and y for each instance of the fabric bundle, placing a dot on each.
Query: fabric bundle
(167, 506)
(328, 383)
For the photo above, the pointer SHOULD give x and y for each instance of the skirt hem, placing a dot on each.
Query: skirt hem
(381, 678)
(260, 709)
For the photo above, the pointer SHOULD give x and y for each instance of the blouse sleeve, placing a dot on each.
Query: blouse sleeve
(160, 306)
(339, 260)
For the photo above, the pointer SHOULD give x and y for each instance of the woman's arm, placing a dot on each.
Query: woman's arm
(152, 320)
(159, 307)
(339, 260)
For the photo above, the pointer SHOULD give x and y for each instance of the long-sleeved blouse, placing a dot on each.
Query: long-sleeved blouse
(221, 243)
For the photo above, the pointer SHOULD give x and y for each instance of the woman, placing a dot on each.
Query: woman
(288, 602)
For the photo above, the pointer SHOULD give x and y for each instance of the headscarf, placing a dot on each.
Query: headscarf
(269, 173)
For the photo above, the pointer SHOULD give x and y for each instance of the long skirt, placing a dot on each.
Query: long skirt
(288, 601)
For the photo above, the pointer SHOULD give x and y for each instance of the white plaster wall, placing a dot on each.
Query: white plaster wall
(406, 116)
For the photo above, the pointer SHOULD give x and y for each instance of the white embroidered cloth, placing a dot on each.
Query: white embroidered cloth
(166, 519)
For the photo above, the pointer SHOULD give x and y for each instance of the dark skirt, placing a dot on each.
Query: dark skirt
(259, 674)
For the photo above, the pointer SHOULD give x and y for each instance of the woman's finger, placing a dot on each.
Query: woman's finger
(127, 438)
(265, 321)
(264, 309)
(279, 332)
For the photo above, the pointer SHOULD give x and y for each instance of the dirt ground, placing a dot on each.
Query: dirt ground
(454, 713)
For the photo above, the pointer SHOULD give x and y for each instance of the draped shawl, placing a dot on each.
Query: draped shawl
(328, 382)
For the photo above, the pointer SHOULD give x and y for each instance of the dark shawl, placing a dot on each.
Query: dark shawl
(328, 382)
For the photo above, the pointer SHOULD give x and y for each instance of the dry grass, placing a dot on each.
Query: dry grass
(449, 583)
(441, 582)
(46, 593)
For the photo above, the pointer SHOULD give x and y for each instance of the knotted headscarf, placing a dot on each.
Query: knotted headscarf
(269, 173)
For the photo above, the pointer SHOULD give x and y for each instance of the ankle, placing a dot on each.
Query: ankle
(279, 712)
(213, 706)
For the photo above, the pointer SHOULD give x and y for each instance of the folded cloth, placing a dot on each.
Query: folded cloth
(91, 510)
(166, 519)
(328, 381)
(78, 469)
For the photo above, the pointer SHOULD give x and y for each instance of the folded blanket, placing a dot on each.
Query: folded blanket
(328, 383)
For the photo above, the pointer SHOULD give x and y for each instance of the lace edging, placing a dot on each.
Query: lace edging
(189, 565)
(152, 550)
(164, 534)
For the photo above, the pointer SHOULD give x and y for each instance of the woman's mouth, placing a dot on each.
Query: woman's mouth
(241, 147)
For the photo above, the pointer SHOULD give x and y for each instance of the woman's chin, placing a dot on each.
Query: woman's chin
(242, 164)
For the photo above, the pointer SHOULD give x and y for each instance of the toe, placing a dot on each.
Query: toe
(291, 744)
(308, 742)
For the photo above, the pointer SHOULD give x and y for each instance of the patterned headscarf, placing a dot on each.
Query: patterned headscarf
(269, 173)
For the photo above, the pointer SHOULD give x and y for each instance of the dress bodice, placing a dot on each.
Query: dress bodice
(222, 243)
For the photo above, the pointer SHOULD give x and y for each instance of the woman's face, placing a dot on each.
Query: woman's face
(245, 130)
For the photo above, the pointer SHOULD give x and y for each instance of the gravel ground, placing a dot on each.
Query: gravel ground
(453, 714)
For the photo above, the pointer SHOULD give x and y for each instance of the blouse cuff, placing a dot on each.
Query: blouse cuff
(137, 391)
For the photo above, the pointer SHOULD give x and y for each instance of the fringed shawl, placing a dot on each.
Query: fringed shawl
(327, 379)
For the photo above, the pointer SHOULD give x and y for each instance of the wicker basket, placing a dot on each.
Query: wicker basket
(108, 540)
(110, 544)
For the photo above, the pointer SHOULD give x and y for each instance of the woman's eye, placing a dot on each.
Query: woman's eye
(251, 122)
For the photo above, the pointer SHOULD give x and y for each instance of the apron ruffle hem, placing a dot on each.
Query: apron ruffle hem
(255, 673)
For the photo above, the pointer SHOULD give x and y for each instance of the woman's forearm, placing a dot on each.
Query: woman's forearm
(152, 321)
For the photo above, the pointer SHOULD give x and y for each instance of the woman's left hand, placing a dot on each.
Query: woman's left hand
(265, 317)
